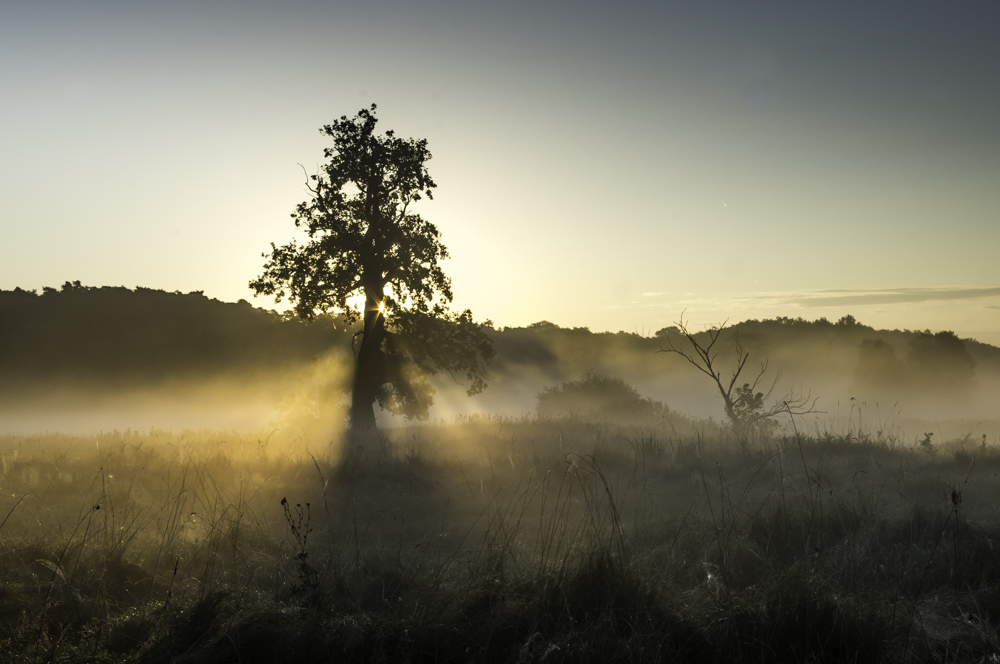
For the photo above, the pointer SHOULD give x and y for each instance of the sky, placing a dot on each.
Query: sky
(608, 165)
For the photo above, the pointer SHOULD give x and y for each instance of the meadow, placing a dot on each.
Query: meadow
(495, 539)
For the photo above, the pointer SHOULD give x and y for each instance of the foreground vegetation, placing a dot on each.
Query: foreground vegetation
(499, 540)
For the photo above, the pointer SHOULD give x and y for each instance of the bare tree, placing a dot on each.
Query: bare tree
(744, 404)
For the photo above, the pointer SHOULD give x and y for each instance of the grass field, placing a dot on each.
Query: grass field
(499, 540)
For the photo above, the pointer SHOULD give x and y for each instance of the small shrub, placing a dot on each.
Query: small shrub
(599, 397)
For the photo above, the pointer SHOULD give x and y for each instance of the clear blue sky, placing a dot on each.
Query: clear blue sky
(603, 165)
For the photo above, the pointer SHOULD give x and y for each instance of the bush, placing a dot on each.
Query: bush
(599, 397)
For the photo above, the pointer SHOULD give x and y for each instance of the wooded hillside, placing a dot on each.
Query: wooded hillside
(119, 337)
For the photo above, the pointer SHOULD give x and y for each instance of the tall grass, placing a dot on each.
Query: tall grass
(501, 540)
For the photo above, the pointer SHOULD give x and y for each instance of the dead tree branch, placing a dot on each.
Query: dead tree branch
(744, 404)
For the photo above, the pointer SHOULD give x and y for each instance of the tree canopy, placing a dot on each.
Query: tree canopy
(123, 337)
(369, 257)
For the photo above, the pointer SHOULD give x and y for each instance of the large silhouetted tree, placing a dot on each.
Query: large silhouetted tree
(366, 245)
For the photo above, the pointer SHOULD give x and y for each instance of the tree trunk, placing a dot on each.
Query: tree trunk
(730, 408)
(367, 370)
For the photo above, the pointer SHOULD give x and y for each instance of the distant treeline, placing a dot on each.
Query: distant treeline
(884, 365)
(114, 333)
(86, 333)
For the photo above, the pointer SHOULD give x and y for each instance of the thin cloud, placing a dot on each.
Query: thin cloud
(837, 298)
(812, 299)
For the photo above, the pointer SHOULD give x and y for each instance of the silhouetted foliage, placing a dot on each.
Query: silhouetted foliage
(364, 242)
(600, 397)
(145, 335)
(878, 365)
(937, 367)
(117, 338)
(942, 360)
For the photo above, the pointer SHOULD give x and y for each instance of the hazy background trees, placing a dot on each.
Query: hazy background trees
(932, 367)
(601, 398)
(97, 344)
(124, 336)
